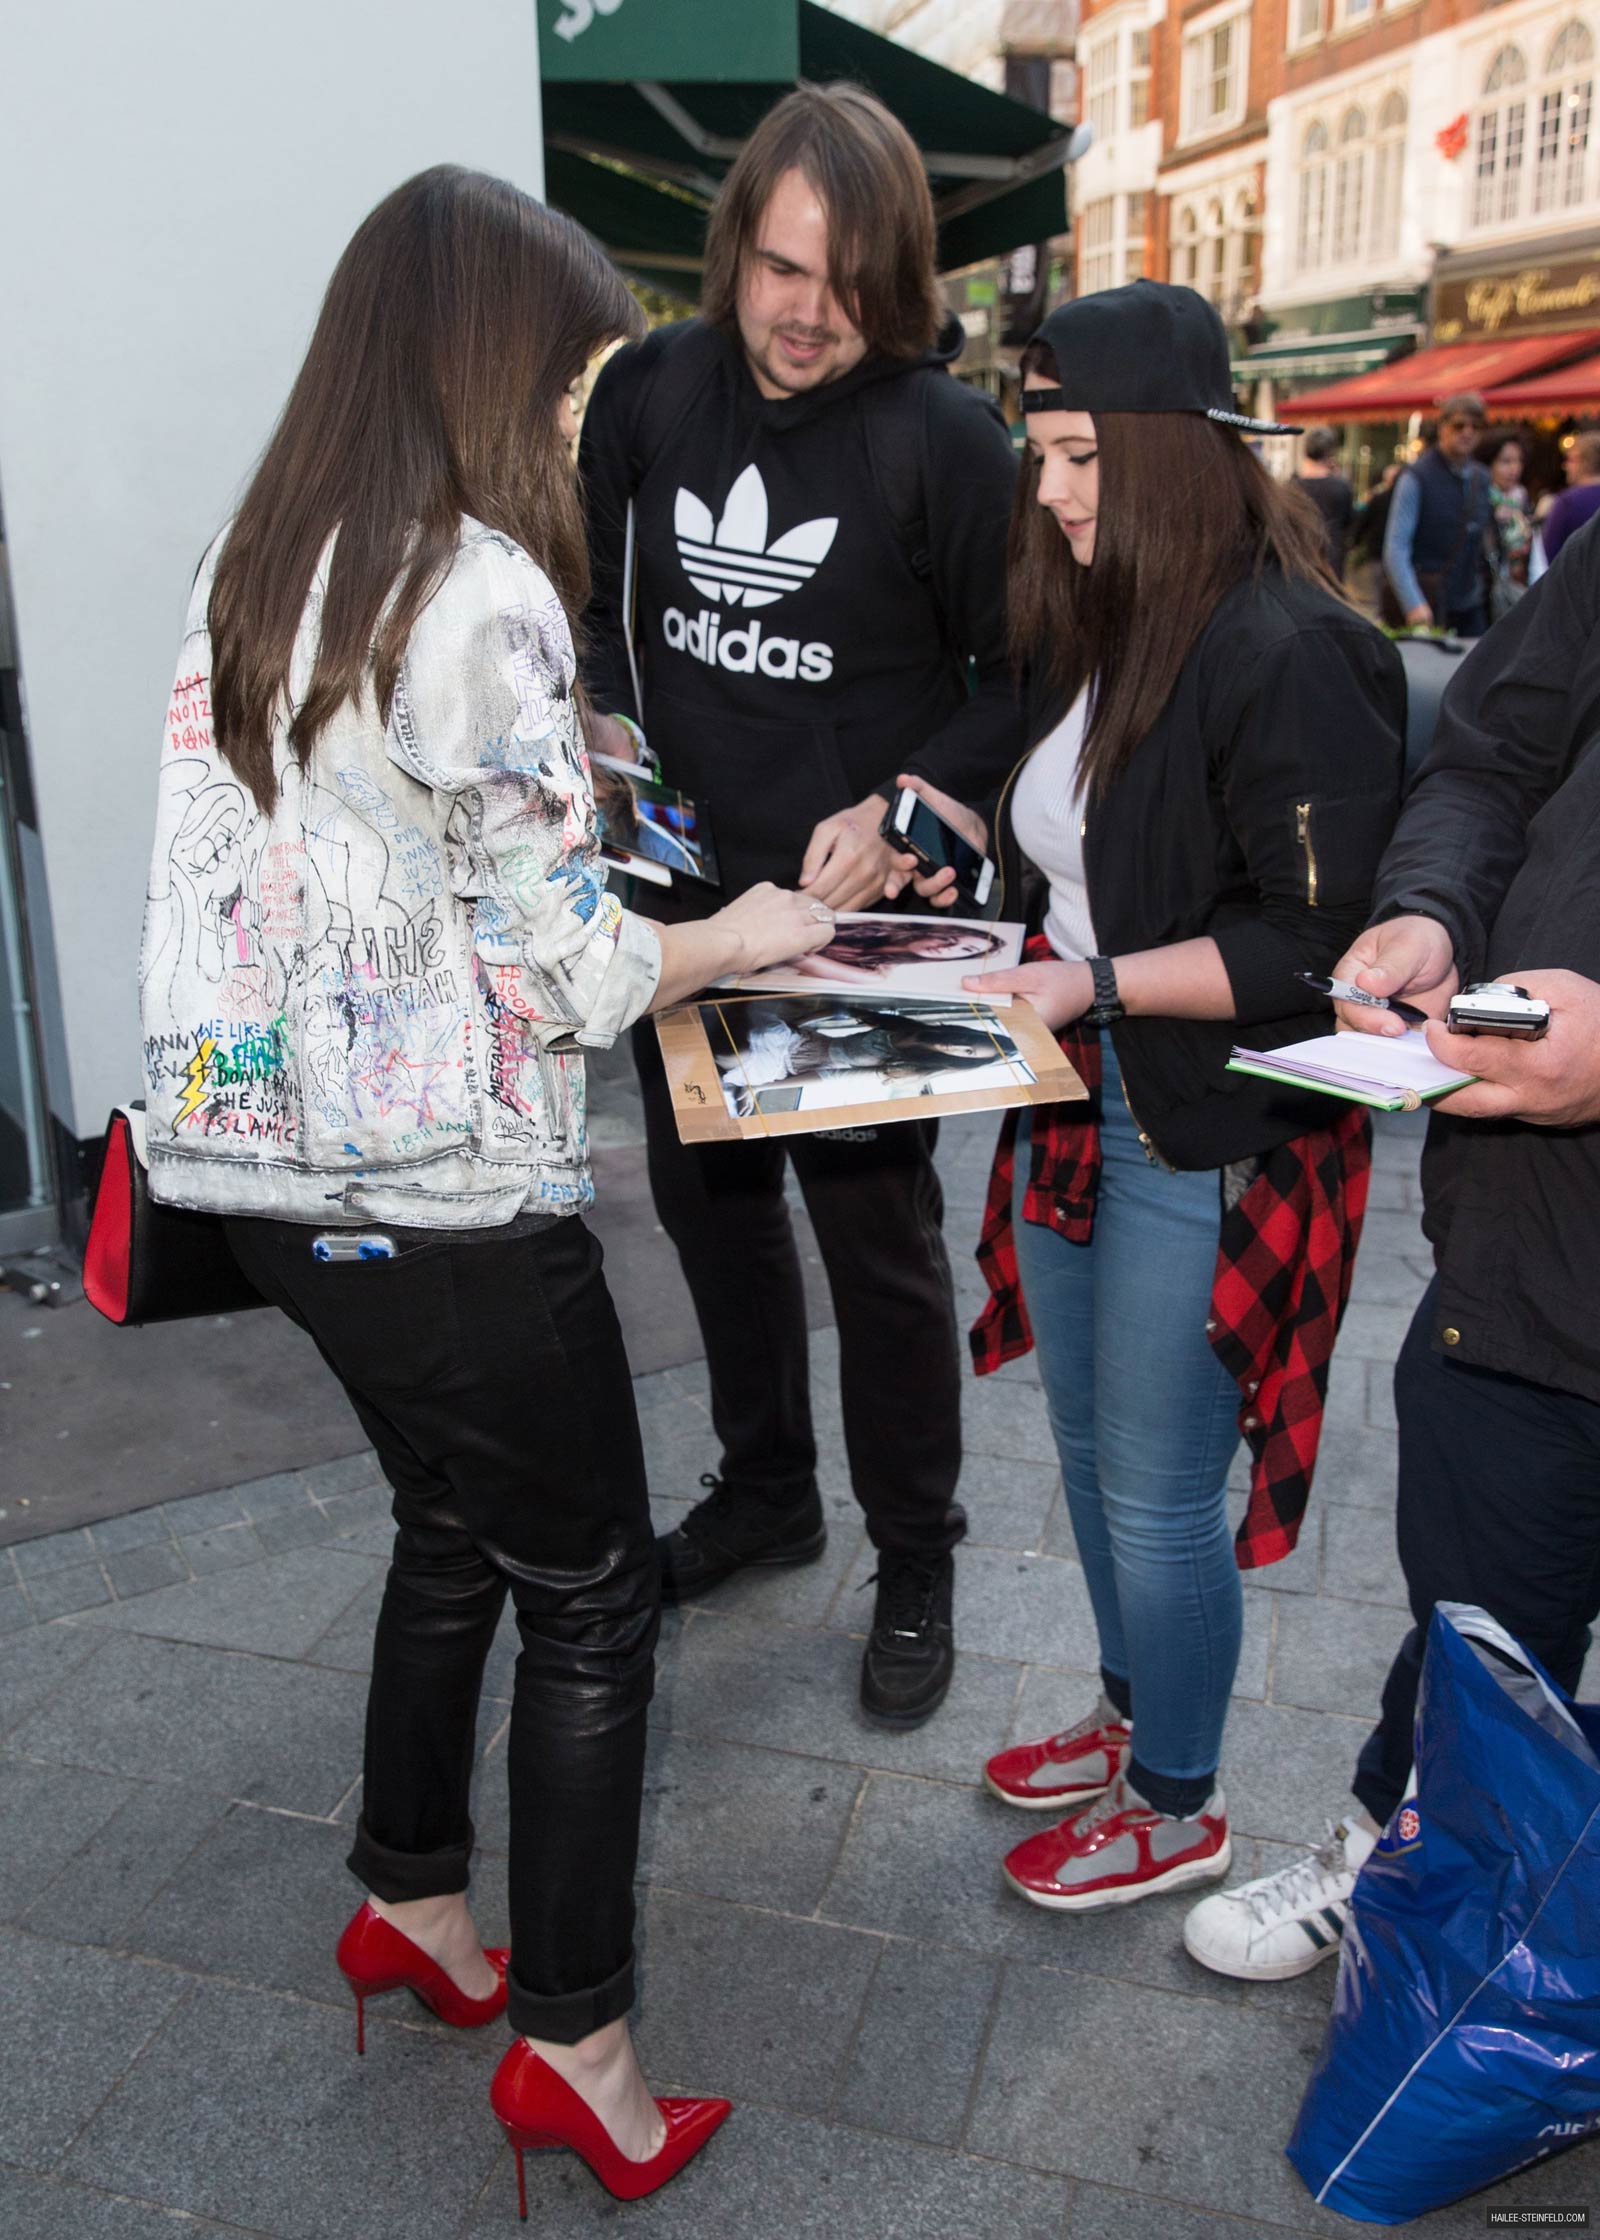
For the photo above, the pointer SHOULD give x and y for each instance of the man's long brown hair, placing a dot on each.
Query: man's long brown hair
(458, 315)
(866, 172)
(1186, 511)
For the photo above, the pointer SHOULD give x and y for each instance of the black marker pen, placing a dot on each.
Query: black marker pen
(1343, 991)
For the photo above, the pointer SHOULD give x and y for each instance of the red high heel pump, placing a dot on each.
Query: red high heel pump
(374, 1956)
(538, 2108)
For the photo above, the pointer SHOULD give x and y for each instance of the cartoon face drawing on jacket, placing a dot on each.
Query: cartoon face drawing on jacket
(207, 896)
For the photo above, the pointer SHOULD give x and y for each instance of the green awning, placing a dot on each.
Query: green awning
(1322, 357)
(671, 41)
(650, 104)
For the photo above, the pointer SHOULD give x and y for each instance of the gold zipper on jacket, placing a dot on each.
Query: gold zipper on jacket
(999, 824)
(1148, 1147)
(1302, 832)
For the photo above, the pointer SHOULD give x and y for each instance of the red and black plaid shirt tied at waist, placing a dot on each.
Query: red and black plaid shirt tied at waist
(1285, 1258)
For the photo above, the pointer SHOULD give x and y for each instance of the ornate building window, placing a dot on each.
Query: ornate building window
(1388, 170)
(1111, 242)
(1211, 245)
(1237, 258)
(1138, 79)
(1133, 249)
(1499, 140)
(1566, 109)
(1096, 266)
(1311, 224)
(1184, 247)
(1349, 186)
(1213, 276)
(1100, 82)
(1305, 22)
(1215, 74)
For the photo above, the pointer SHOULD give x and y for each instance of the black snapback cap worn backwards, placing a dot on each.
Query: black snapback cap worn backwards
(1147, 347)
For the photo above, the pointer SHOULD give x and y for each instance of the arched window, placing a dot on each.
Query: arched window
(1185, 239)
(1566, 106)
(1349, 186)
(1212, 282)
(1311, 229)
(1499, 140)
(1388, 170)
(1237, 275)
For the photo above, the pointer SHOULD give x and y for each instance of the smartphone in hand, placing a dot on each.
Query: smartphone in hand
(913, 827)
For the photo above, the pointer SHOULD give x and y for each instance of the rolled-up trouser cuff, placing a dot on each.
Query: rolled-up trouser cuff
(569, 2015)
(395, 1876)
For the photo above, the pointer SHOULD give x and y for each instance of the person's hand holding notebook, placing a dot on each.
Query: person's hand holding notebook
(1394, 1072)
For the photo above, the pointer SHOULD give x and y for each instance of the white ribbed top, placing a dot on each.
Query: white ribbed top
(1047, 816)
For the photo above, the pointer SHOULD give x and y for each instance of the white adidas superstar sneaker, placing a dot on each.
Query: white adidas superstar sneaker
(1282, 1924)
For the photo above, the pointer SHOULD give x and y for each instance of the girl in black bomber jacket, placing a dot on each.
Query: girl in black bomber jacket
(1214, 773)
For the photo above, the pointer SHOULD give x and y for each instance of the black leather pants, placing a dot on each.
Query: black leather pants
(489, 1373)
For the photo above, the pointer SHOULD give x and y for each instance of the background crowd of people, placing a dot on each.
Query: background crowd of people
(1454, 538)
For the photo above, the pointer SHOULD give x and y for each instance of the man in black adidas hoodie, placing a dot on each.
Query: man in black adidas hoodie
(819, 515)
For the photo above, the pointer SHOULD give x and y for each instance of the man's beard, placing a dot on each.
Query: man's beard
(797, 379)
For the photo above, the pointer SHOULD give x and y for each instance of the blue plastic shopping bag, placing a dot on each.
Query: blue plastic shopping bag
(1465, 2039)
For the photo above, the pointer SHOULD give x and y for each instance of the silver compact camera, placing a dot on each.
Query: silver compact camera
(1496, 1007)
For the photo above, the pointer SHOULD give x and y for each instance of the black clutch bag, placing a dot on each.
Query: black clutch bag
(153, 1263)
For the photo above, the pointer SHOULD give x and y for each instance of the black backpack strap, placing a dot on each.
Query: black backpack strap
(685, 357)
(897, 445)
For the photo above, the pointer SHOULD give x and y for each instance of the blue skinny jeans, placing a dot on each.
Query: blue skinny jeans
(1145, 1419)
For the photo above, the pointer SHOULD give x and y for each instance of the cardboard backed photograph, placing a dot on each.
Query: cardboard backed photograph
(893, 954)
(643, 823)
(751, 1066)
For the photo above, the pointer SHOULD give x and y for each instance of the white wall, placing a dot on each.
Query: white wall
(176, 182)
(1127, 163)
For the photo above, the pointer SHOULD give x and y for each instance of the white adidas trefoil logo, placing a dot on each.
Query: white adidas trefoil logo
(731, 559)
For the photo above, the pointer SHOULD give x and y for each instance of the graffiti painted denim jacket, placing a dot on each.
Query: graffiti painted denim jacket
(372, 1005)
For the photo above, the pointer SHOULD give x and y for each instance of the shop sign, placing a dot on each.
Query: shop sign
(1564, 292)
(629, 39)
(1345, 315)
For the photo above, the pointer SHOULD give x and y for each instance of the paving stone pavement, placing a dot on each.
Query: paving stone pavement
(824, 1931)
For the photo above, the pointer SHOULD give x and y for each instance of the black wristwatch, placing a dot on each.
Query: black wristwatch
(1107, 1004)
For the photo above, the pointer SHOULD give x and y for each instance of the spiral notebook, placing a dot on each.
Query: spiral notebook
(1396, 1073)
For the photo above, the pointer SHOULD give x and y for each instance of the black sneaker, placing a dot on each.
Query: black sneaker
(731, 1531)
(906, 1671)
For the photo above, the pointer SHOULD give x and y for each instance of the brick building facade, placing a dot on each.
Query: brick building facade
(1346, 179)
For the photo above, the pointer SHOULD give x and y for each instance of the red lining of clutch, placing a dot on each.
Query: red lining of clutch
(110, 1249)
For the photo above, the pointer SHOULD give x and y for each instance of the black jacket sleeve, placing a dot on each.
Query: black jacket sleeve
(1499, 753)
(606, 468)
(970, 478)
(1307, 741)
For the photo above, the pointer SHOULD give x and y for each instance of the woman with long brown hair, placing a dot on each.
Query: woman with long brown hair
(377, 944)
(1214, 771)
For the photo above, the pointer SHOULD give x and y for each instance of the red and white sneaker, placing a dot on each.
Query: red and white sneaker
(1065, 1769)
(1119, 1849)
